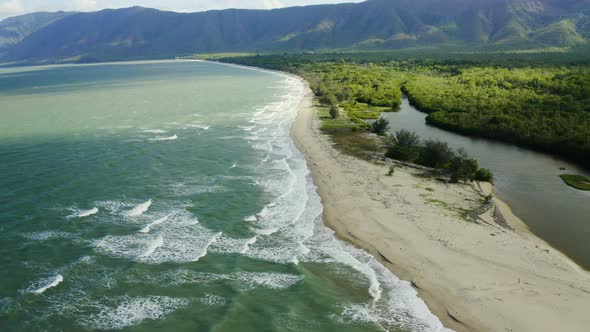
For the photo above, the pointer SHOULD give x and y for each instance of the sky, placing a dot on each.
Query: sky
(19, 7)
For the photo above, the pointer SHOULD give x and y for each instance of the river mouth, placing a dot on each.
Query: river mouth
(527, 180)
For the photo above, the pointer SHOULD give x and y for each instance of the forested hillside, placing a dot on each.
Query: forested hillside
(137, 32)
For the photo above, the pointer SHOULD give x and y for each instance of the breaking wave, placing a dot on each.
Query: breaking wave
(41, 286)
(139, 209)
(83, 213)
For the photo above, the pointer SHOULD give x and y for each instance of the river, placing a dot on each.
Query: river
(527, 180)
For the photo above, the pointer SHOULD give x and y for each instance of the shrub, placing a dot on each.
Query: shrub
(380, 126)
(462, 168)
(407, 138)
(484, 174)
(334, 111)
(328, 99)
(435, 154)
(402, 153)
(407, 146)
(319, 88)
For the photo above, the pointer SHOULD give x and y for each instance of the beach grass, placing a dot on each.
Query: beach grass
(577, 181)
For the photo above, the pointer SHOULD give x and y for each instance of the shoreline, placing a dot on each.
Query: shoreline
(473, 276)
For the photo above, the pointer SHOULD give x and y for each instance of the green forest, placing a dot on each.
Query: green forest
(539, 100)
(363, 91)
(543, 108)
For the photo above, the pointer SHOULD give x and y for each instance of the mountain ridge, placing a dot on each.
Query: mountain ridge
(14, 29)
(138, 32)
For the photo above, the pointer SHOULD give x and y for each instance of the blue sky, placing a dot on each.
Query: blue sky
(18, 7)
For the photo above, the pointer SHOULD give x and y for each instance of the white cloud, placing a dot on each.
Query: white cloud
(18, 7)
(85, 5)
(10, 7)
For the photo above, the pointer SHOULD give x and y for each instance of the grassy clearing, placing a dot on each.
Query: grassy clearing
(365, 111)
(577, 181)
(348, 137)
(328, 123)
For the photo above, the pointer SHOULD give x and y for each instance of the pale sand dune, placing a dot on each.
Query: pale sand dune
(475, 277)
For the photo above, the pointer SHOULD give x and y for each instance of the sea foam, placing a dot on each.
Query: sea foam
(213, 300)
(117, 314)
(153, 246)
(242, 280)
(48, 235)
(247, 245)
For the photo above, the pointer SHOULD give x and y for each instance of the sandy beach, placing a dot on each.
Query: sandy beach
(489, 275)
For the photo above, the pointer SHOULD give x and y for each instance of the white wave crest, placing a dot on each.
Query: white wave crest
(113, 207)
(250, 218)
(203, 253)
(400, 308)
(47, 283)
(198, 126)
(248, 244)
(164, 138)
(138, 210)
(83, 213)
(183, 241)
(155, 131)
(148, 228)
(247, 128)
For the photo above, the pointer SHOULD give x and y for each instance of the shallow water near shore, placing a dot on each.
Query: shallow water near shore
(169, 196)
(527, 180)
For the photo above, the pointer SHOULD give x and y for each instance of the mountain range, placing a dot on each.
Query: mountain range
(139, 32)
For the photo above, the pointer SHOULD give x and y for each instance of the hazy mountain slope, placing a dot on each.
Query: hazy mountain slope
(141, 32)
(15, 29)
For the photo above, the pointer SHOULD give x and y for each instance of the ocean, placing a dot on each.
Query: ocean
(150, 196)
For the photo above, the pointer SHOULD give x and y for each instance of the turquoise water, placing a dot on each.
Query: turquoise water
(169, 196)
